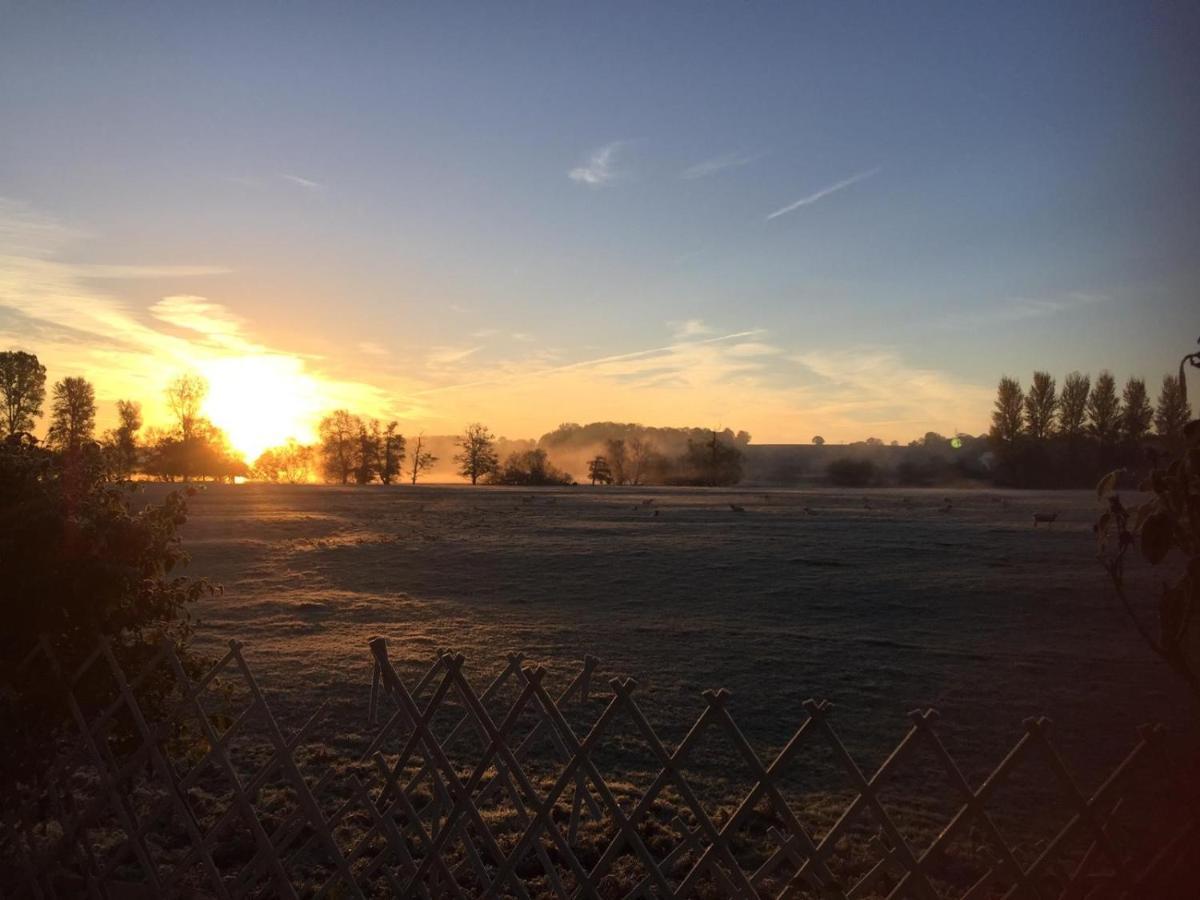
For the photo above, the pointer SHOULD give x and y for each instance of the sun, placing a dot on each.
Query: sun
(261, 401)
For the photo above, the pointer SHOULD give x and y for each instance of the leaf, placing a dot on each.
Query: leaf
(1107, 483)
(1140, 513)
(1156, 537)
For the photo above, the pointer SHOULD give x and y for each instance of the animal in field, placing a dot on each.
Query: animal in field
(647, 502)
(736, 508)
(808, 510)
(1048, 518)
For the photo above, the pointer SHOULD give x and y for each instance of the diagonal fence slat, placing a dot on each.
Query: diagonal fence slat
(520, 791)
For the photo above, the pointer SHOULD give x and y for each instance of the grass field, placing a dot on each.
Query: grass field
(879, 602)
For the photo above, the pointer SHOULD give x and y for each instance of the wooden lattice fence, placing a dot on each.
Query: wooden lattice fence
(515, 791)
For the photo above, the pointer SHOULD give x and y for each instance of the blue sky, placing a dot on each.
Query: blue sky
(789, 218)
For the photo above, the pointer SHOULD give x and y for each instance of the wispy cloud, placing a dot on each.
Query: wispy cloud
(441, 356)
(306, 183)
(873, 390)
(719, 164)
(198, 314)
(371, 348)
(599, 169)
(55, 309)
(85, 270)
(824, 192)
(690, 328)
(1019, 309)
(753, 348)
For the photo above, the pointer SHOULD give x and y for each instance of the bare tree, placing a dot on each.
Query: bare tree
(1173, 411)
(1072, 404)
(22, 391)
(338, 432)
(393, 454)
(1104, 409)
(641, 453)
(1041, 405)
(422, 460)
(1007, 416)
(72, 415)
(618, 460)
(478, 457)
(1136, 412)
(185, 395)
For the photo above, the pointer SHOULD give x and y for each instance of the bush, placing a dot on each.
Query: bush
(852, 472)
(77, 564)
(529, 468)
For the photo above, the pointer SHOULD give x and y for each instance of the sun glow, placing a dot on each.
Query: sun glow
(261, 401)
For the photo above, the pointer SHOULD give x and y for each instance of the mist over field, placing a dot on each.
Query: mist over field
(881, 601)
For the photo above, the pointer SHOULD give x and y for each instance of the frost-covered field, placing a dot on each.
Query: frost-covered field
(879, 601)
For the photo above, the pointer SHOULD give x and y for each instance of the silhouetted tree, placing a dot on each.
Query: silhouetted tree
(422, 460)
(818, 440)
(712, 463)
(1104, 410)
(368, 451)
(290, 463)
(530, 468)
(72, 415)
(617, 459)
(338, 432)
(205, 454)
(22, 391)
(121, 443)
(1007, 415)
(1041, 406)
(1072, 405)
(478, 457)
(599, 471)
(185, 396)
(641, 458)
(1173, 410)
(1136, 412)
(393, 454)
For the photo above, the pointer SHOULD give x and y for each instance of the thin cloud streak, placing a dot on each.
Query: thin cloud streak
(306, 183)
(1020, 309)
(588, 363)
(824, 192)
(719, 164)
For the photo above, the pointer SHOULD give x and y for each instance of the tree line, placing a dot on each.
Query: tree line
(1048, 436)
(191, 447)
(351, 448)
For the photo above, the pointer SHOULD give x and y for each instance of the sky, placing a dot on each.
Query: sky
(794, 219)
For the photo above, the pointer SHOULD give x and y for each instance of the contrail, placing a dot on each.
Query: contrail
(825, 192)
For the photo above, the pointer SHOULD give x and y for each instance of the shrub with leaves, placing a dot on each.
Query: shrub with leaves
(78, 563)
(1165, 530)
